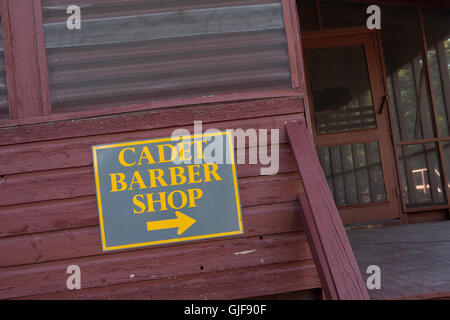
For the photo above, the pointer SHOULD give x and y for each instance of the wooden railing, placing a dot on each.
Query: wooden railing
(335, 262)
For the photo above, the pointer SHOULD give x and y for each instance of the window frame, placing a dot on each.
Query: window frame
(27, 73)
(24, 48)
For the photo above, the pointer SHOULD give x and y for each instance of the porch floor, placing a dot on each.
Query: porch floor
(414, 259)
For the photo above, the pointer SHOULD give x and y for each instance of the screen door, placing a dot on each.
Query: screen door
(350, 119)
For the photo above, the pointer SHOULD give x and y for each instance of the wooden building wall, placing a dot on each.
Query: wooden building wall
(49, 219)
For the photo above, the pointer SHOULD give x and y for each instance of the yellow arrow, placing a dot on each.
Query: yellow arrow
(182, 222)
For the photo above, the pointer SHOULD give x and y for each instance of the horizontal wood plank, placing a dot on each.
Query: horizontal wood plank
(76, 152)
(82, 160)
(78, 182)
(82, 211)
(270, 279)
(155, 263)
(150, 119)
(82, 242)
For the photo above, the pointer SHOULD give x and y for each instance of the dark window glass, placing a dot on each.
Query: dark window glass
(307, 12)
(343, 14)
(354, 173)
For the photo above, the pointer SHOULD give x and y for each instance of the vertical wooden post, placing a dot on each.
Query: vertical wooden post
(445, 80)
(335, 262)
(25, 59)
(295, 51)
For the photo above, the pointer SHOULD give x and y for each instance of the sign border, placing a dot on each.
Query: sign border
(150, 243)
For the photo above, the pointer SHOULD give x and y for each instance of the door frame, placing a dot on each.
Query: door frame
(373, 212)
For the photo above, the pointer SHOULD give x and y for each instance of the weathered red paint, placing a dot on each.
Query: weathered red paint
(334, 258)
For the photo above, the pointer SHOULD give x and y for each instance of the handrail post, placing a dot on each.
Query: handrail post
(335, 262)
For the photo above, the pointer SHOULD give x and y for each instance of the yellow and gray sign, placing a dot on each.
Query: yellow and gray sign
(165, 190)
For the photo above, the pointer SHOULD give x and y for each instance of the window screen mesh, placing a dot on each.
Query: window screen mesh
(137, 51)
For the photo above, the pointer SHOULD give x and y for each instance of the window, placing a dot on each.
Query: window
(416, 44)
(340, 89)
(354, 173)
(132, 52)
(138, 55)
(417, 91)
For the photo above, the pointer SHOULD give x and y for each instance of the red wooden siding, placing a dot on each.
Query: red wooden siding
(23, 48)
(150, 120)
(283, 277)
(335, 261)
(4, 111)
(49, 219)
(229, 75)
